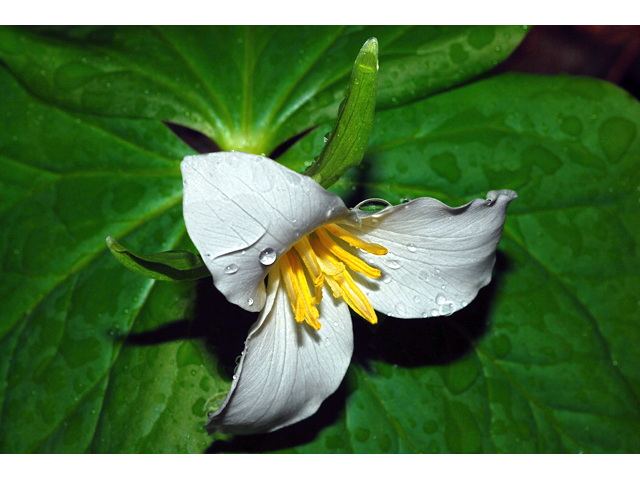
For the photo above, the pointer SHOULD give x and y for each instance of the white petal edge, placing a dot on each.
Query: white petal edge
(439, 257)
(237, 206)
(287, 369)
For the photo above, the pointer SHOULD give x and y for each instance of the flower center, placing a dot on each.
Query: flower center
(319, 257)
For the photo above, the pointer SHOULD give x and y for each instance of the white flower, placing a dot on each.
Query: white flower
(250, 218)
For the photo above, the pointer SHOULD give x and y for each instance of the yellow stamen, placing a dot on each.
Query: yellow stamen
(302, 302)
(343, 285)
(351, 261)
(324, 259)
(354, 241)
(303, 247)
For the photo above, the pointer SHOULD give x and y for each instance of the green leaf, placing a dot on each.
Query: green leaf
(172, 265)
(74, 376)
(349, 136)
(248, 88)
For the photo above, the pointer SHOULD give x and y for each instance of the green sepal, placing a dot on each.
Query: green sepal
(349, 137)
(174, 265)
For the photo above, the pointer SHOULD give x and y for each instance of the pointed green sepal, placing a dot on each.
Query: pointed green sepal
(349, 137)
(173, 265)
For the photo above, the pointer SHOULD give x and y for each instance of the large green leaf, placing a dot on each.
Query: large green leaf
(94, 358)
(248, 88)
(67, 182)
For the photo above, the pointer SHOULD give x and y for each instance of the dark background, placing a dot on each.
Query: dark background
(611, 53)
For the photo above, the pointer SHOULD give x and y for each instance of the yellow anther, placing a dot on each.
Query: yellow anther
(356, 242)
(328, 263)
(342, 284)
(302, 302)
(351, 261)
(303, 247)
(325, 260)
(357, 300)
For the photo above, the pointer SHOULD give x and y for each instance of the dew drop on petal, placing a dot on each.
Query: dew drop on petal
(435, 312)
(386, 279)
(416, 299)
(250, 301)
(446, 309)
(267, 256)
(440, 299)
(412, 248)
(231, 269)
(394, 264)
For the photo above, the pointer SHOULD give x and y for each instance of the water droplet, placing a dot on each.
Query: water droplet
(447, 308)
(267, 257)
(386, 279)
(374, 221)
(244, 252)
(440, 300)
(435, 312)
(250, 301)
(231, 269)
(234, 377)
(372, 201)
(411, 247)
(416, 299)
(394, 264)
(335, 324)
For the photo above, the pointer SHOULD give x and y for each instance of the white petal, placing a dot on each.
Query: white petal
(439, 257)
(287, 369)
(239, 206)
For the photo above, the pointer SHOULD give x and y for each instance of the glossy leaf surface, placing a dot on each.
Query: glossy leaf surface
(248, 88)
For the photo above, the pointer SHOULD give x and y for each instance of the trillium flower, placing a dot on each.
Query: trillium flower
(252, 218)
